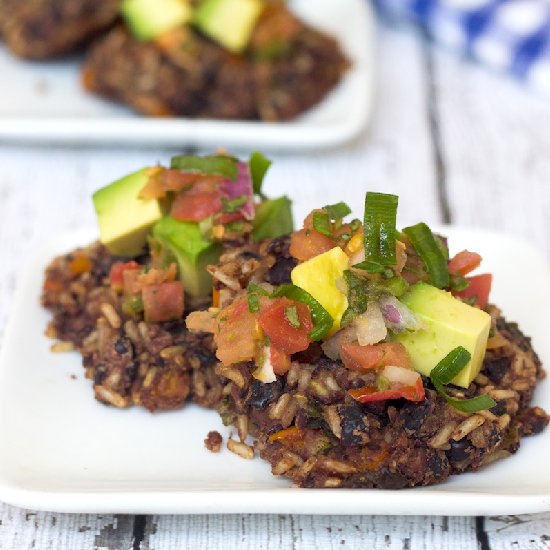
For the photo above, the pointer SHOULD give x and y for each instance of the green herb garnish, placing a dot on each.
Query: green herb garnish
(291, 315)
(361, 291)
(337, 211)
(321, 223)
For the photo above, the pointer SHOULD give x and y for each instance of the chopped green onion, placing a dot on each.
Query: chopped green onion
(258, 165)
(424, 243)
(132, 305)
(291, 315)
(257, 289)
(475, 404)
(451, 365)
(253, 303)
(321, 223)
(321, 318)
(382, 383)
(379, 228)
(458, 282)
(219, 165)
(337, 211)
(446, 370)
(355, 225)
(233, 205)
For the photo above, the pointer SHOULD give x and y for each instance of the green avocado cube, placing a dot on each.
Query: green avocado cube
(124, 218)
(449, 323)
(148, 19)
(192, 252)
(228, 22)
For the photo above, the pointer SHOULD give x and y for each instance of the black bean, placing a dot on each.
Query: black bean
(249, 255)
(124, 346)
(261, 395)
(499, 408)
(438, 464)
(413, 414)
(279, 246)
(279, 273)
(495, 368)
(354, 424)
(459, 450)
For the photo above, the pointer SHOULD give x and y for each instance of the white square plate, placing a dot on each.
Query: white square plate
(61, 450)
(45, 102)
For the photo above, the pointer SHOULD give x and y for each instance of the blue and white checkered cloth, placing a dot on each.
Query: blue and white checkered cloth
(509, 35)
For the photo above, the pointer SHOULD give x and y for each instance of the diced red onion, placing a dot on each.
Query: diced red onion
(391, 313)
(398, 316)
(242, 186)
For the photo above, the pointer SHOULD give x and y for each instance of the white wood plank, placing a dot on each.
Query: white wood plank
(23, 529)
(527, 532)
(271, 532)
(495, 140)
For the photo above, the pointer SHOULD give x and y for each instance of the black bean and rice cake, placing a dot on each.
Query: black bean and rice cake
(322, 382)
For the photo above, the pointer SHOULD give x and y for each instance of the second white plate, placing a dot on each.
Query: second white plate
(45, 102)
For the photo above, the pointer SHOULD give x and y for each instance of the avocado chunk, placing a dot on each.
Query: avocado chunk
(148, 19)
(273, 218)
(124, 218)
(192, 252)
(318, 276)
(449, 323)
(228, 22)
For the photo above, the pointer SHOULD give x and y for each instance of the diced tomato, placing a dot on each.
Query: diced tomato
(280, 361)
(464, 262)
(277, 322)
(307, 243)
(116, 274)
(479, 287)
(189, 207)
(356, 357)
(162, 180)
(369, 394)
(163, 302)
(199, 202)
(237, 333)
(131, 283)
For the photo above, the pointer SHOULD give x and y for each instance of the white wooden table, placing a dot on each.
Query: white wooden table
(457, 143)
